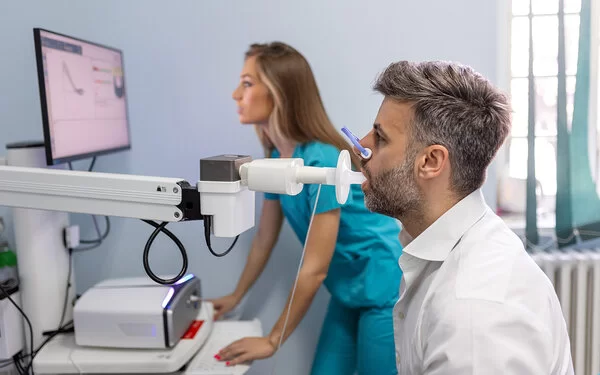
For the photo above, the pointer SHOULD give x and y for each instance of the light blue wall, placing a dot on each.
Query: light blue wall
(182, 62)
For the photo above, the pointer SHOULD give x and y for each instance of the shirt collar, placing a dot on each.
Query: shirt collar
(436, 242)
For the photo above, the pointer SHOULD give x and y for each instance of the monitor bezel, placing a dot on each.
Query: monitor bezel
(50, 159)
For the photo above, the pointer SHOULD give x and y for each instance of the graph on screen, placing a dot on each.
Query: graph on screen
(67, 74)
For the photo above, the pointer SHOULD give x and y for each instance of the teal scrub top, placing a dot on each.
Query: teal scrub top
(364, 270)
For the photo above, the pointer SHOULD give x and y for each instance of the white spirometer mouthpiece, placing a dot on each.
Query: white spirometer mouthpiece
(288, 176)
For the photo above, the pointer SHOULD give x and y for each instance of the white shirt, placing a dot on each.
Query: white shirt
(472, 301)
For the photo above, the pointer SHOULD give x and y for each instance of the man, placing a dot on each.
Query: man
(472, 301)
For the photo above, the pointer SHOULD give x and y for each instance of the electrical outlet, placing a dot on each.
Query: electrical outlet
(71, 236)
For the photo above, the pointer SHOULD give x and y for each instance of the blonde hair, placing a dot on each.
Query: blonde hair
(298, 113)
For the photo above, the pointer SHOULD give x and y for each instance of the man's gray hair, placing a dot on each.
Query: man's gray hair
(455, 107)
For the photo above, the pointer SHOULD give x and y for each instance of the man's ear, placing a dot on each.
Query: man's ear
(433, 161)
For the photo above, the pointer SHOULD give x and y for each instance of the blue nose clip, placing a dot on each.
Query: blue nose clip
(365, 153)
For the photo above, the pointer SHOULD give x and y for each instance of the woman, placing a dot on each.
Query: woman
(353, 251)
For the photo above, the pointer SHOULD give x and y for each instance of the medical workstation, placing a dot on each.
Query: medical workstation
(153, 324)
(130, 189)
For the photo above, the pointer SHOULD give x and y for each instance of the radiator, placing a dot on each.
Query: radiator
(575, 275)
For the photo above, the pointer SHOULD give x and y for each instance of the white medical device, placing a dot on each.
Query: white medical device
(224, 192)
(219, 193)
(136, 313)
(120, 325)
(62, 355)
(224, 197)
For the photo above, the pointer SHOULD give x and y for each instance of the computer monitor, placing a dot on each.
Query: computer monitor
(83, 97)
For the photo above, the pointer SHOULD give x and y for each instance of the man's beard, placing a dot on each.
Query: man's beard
(394, 192)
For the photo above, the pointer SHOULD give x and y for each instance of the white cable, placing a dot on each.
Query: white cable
(296, 281)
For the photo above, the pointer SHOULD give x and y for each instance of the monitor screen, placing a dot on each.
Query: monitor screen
(83, 97)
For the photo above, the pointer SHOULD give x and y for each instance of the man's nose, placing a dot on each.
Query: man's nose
(364, 142)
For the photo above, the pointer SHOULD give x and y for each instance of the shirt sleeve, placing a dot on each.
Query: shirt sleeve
(271, 196)
(485, 337)
(323, 156)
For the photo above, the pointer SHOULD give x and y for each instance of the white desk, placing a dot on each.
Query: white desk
(193, 356)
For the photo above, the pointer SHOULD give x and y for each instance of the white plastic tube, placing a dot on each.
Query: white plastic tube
(315, 175)
(288, 176)
(276, 176)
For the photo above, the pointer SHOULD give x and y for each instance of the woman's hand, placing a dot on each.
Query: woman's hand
(246, 350)
(224, 305)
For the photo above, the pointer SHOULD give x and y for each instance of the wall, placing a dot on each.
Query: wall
(183, 61)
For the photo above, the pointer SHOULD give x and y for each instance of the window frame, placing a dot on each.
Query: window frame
(505, 77)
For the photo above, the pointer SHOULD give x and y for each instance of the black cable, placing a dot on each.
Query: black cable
(101, 237)
(59, 331)
(50, 335)
(64, 311)
(62, 328)
(91, 247)
(207, 226)
(67, 328)
(7, 362)
(30, 366)
(89, 168)
(17, 361)
(92, 164)
(24, 316)
(161, 228)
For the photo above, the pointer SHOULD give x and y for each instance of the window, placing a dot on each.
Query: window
(544, 23)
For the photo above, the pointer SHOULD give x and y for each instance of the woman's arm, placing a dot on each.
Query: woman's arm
(269, 227)
(320, 246)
